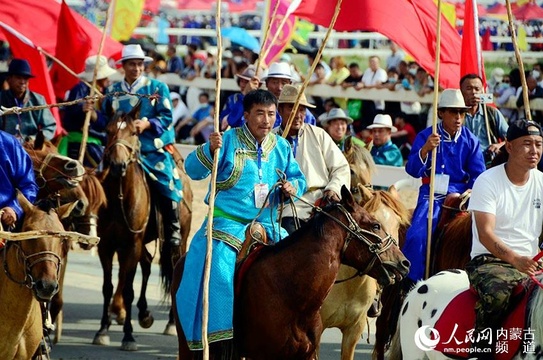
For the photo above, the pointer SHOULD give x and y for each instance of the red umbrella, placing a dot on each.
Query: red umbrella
(529, 11)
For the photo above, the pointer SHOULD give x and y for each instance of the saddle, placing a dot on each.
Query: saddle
(255, 240)
(454, 329)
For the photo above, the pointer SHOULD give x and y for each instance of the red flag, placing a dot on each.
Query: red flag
(22, 48)
(409, 23)
(73, 47)
(286, 32)
(471, 55)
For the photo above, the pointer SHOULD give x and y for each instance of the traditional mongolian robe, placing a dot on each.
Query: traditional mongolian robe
(387, 154)
(16, 172)
(461, 159)
(157, 162)
(244, 168)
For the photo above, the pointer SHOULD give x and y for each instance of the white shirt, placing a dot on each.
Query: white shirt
(518, 210)
(371, 77)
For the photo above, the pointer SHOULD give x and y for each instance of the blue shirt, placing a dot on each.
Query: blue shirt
(476, 124)
(387, 154)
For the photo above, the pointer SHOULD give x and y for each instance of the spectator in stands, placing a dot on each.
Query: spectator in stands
(338, 75)
(179, 110)
(328, 105)
(296, 77)
(394, 59)
(491, 141)
(405, 136)
(505, 91)
(174, 64)
(183, 128)
(201, 131)
(383, 150)
(311, 58)
(354, 78)
(371, 79)
(534, 92)
(26, 124)
(354, 106)
(278, 76)
(232, 113)
(337, 125)
(496, 77)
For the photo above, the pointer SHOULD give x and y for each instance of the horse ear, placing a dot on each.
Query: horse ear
(394, 192)
(39, 141)
(346, 197)
(23, 201)
(365, 194)
(65, 210)
(135, 112)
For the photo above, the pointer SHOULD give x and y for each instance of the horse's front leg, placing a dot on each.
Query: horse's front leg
(144, 316)
(106, 259)
(117, 306)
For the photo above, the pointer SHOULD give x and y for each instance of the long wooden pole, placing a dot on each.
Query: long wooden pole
(312, 69)
(209, 249)
(263, 53)
(525, 97)
(86, 124)
(434, 151)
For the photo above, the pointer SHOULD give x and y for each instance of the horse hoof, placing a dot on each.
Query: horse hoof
(147, 321)
(129, 346)
(170, 330)
(101, 339)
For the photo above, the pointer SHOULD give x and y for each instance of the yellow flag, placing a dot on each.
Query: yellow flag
(522, 43)
(126, 17)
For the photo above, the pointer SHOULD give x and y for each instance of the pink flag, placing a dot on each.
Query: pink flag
(285, 35)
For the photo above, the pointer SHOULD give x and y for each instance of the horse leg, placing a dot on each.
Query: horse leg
(184, 351)
(55, 307)
(117, 306)
(170, 326)
(128, 264)
(350, 338)
(106, 259)
(144, 316)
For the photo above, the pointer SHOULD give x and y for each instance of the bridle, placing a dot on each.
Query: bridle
(133, 150)
(29, 261)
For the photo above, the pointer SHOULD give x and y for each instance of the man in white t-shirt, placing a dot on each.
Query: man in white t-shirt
(507, 219)
(372, 77)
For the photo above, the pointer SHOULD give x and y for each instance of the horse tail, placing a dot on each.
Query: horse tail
(169, 255)
(395, 350)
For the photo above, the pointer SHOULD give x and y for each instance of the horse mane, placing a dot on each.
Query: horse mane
(384, 197)
(94, 191)
(46, 205)
(360, 156)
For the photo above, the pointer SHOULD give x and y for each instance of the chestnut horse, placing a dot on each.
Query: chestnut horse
(125, 226)
(30, 276)
(347, 304)
(276, 313)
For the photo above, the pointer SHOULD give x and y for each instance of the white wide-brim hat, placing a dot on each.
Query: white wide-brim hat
(279, 70)
(452, 99)
(103, 71)
(289, 94)
(382, 121)
(336, 114)
(133, 51)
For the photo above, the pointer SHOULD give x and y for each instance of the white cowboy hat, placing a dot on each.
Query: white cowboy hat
(289, 95)
(248, 73)
(382, 121)
(451, 98)
(133, 51)
(104, 70)
(336, 113)
(278, 70)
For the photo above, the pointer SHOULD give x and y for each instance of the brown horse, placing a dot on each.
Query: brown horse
(125, 226)
(30, 276)
(276, 312)
(347, 304)
(362, 168)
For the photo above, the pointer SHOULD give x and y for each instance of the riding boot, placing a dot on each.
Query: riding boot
(170, 219)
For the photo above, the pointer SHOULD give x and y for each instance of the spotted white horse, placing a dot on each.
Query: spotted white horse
(416, 337)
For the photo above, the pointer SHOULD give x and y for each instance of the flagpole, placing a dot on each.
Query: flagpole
(525, 97)
(213, 189)
(266, 52)
(265, 36)
(312, 69)
(434, 150)
(86, 124)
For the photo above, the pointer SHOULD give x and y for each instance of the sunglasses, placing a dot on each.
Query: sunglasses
(457, 111)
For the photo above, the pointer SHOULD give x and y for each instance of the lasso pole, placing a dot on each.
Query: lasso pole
(312, 69)
(434, 150)
(525, 97)
(86, 124)
(209, 249)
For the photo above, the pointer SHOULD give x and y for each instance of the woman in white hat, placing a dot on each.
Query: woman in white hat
(384, 152)
(155, 130)
(74, 116)
(459, 161)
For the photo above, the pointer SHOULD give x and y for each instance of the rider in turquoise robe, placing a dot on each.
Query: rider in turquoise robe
(244, 166)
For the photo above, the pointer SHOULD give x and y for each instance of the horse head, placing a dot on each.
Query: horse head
(362, 168)
(37, 261)
(368, 247)
(122, 141)
(53, 171)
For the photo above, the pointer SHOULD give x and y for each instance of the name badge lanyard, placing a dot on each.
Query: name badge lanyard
(259, 161)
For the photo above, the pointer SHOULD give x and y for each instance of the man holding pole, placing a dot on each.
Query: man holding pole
(485, 122)
(459, 161)
(256, 168)
(155, 132)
